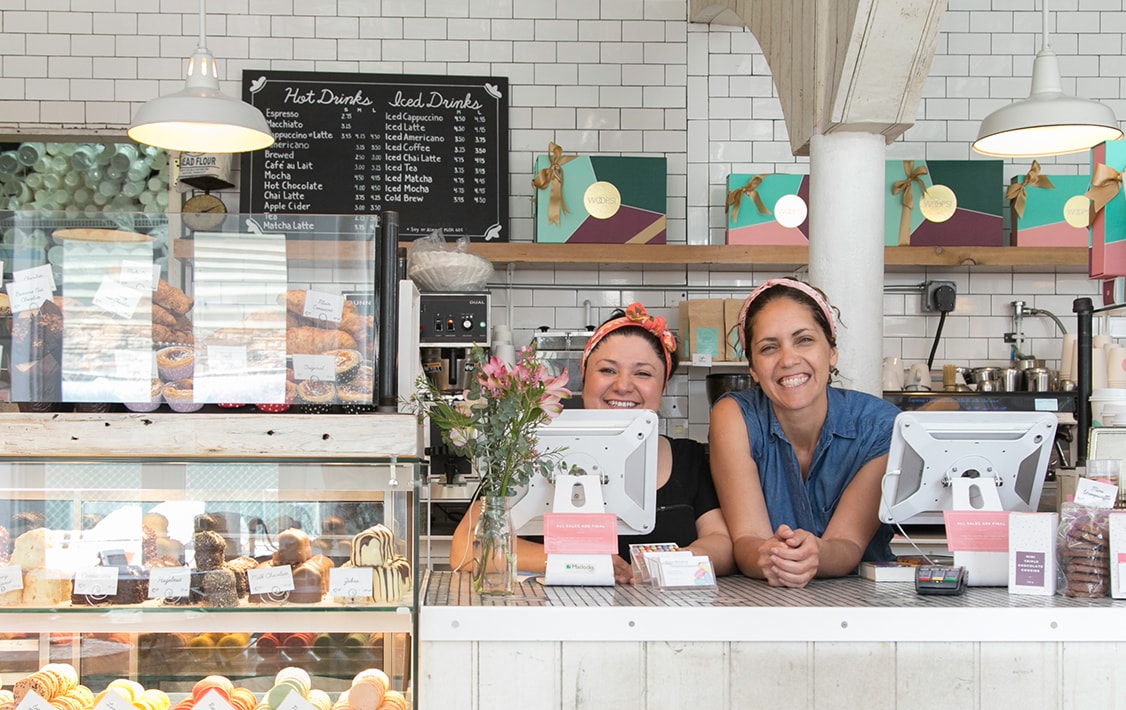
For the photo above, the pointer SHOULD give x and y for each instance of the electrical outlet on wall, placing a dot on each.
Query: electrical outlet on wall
(939, 296)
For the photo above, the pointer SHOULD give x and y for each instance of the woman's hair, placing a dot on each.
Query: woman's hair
(811, 297)
(630, 326)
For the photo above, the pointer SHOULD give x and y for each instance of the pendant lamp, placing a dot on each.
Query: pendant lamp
(1048, 122)
(200, 118)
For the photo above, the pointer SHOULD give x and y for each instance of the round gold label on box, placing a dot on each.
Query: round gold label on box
(602, 200)
(938, 203)
(790, 211)
(1077, 212)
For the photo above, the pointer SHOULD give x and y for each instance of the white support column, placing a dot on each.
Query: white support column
(846, 247)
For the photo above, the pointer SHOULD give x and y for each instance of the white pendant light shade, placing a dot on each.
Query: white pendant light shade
(1048, 122)
(200, 118)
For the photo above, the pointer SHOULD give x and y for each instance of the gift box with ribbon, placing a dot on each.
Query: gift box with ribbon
(1108, 210)
(1048, 211)
(599, 199)
(943, 203)
(768, 209)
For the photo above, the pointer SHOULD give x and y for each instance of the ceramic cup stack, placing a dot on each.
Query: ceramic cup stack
(1108, 406)
(502, 345)
(1116, 366)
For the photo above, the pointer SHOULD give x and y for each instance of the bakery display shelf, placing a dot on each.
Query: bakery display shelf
(373, 438)
(326, 616)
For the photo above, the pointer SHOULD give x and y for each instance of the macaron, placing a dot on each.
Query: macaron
(297, 675)
(394, 700)
(365, 696)
(276, 695)
(373, 675)
(319, 699)
(221, 685)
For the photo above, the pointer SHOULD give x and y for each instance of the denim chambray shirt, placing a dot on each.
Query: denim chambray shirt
(857, 429)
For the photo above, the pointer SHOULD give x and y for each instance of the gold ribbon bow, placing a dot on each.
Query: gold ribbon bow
(1017, 192)
(1105, 184)
(552, 176)
(735, 197)
(912, 174)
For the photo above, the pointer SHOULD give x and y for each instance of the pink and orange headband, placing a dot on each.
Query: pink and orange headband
(788, 283)
(635, 317)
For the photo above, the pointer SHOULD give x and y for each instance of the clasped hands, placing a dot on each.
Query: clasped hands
(790, 557)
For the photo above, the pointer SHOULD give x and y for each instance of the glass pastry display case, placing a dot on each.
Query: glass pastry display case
(162, 548)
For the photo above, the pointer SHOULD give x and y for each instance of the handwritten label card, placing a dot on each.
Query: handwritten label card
(34, 701)
(1095, 494)
(270, 580)
(323, 306)
(96, 581)
(139, 274)
(117, 298)
(29, 293)
(314, 367)
(294, 701)
(167, 582)
(350, 582)
(114, 699)
(226, 359)
(11, 578)
(213, 701)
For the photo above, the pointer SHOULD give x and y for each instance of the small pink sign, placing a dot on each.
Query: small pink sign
(977, 530)
(580, 533)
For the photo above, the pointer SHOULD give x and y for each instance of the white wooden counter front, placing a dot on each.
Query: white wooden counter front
(845, 643)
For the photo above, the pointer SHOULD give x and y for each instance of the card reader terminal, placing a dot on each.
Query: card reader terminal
(939, 579)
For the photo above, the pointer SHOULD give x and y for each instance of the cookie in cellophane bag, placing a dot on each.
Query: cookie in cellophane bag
(1083, 550)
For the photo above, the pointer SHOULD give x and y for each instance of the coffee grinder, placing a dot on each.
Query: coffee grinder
(450, 326)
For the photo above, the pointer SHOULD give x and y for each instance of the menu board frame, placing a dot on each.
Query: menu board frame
(433, 148)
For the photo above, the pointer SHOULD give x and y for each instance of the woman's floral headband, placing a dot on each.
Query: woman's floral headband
(636, 317)
(788, 283)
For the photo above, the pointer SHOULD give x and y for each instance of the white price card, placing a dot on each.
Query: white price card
(213, 701)
(1095, 494)
(294, 701)
(34, 701)
(314, 367)
(114, 699)
(96, 581)
(11, 579)
(167, 582)
(117, 298)
(702, 359)
(323, 306)
(226, 359)
(270, 580)
(134, 364)
(139, 274)
(29, 294)
(36, 272)
(350, 581)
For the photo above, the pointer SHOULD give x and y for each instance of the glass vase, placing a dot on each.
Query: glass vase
(494, 549)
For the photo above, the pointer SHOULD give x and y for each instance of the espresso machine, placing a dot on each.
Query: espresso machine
(450, 326)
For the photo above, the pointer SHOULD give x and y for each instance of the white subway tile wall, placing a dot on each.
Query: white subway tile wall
(605, 76)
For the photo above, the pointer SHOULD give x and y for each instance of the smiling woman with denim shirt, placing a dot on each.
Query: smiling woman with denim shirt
(798, 463)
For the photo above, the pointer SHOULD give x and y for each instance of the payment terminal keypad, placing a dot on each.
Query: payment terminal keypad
(940, 579)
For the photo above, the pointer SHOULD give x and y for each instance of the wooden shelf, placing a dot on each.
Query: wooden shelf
(681, 254)
(523, 253)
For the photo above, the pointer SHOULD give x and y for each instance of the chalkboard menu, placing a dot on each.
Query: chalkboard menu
(432, 148)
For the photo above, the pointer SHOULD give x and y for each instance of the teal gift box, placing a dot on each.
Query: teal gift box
(964, 210)
(1048, 210)
(768, 209)
(1108, 225)
(600, 199)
